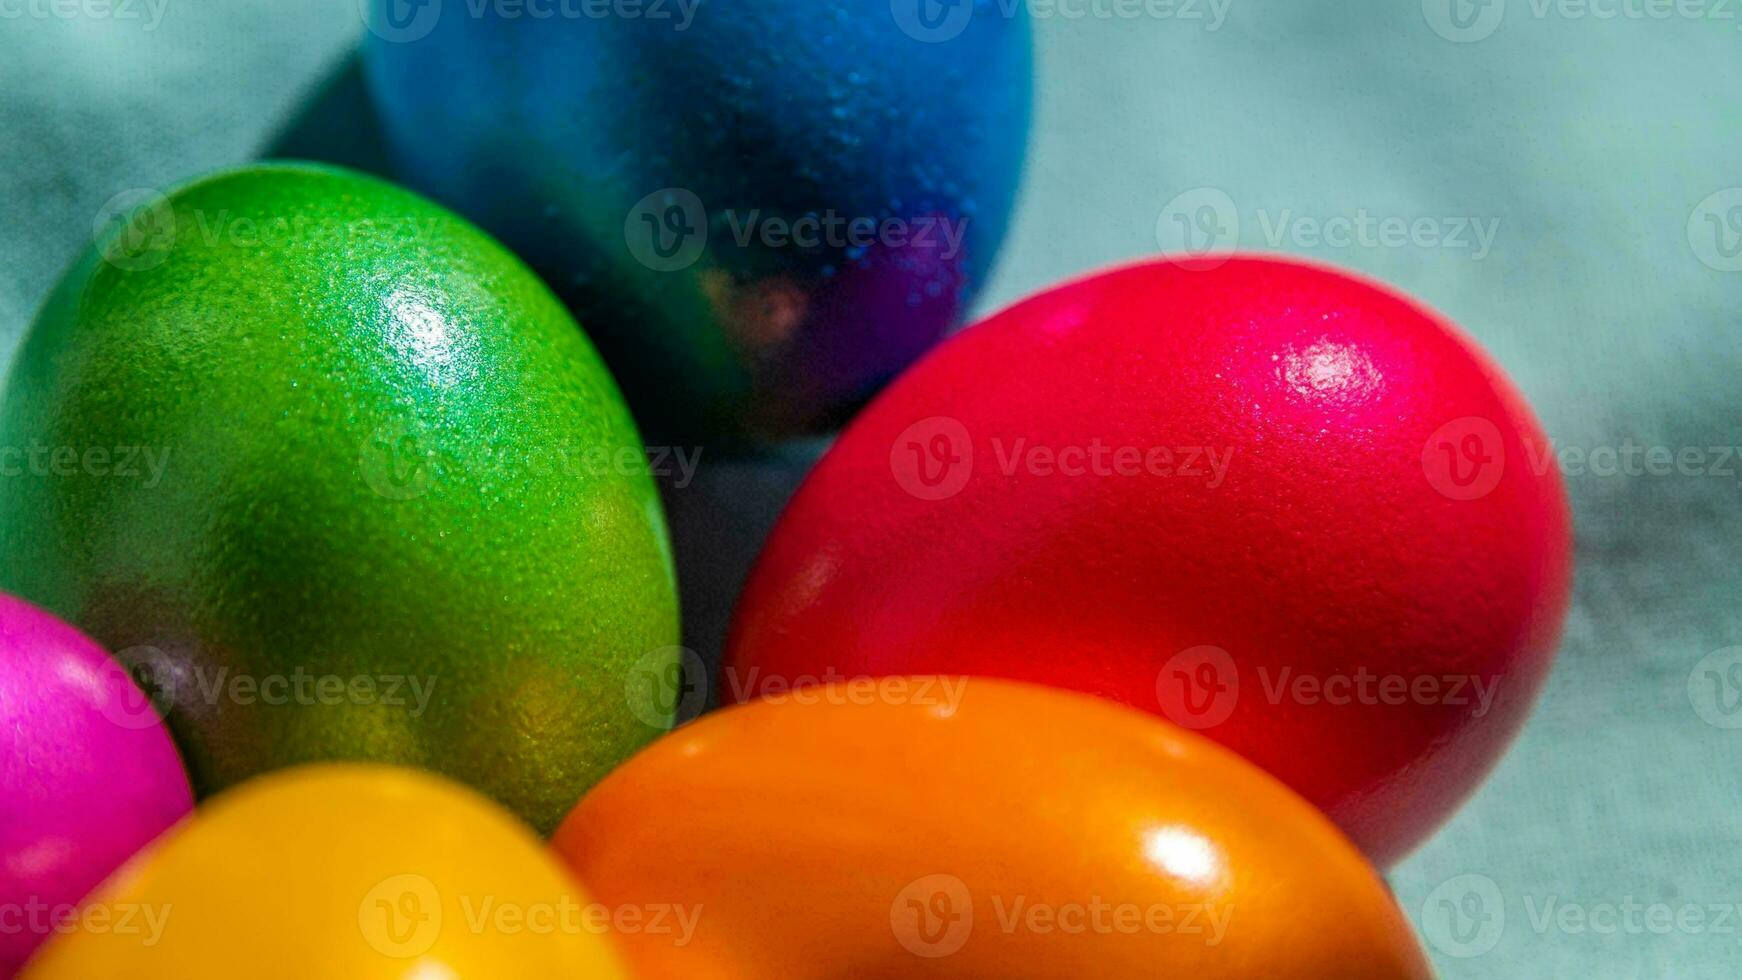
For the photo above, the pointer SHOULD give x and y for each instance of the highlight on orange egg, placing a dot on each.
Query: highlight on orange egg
(967, 827)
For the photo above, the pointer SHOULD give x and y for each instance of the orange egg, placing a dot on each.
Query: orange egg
(955, 827)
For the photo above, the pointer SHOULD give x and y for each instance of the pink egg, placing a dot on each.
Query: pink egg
(88, 774)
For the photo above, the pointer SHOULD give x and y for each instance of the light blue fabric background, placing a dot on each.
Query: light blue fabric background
(1591, 146)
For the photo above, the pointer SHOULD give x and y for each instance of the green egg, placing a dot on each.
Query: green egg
(336, 476)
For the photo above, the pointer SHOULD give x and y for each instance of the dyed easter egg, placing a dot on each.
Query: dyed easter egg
(966, 827)
(359, 871)
(342, 478)
(761, 210)
(88, 774)
(1279, 504)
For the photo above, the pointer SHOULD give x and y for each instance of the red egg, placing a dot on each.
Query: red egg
(1270, 501)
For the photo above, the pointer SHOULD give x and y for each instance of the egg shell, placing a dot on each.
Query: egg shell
(965, 827)
(1281, 504)
(366, 872)
(651, 166)
(347, 483)
(88, 773)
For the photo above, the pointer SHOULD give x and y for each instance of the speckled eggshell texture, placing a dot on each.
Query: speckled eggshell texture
(1272, 502)
(346, 481)
(88, 774)
(361, 872)
(761, 209)
(939, 812)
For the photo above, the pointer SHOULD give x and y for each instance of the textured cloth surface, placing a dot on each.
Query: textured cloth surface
(1579, 154)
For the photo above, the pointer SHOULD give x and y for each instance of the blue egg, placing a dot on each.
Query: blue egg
(761, 210)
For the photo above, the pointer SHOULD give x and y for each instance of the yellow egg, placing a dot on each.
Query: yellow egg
(352, 872)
